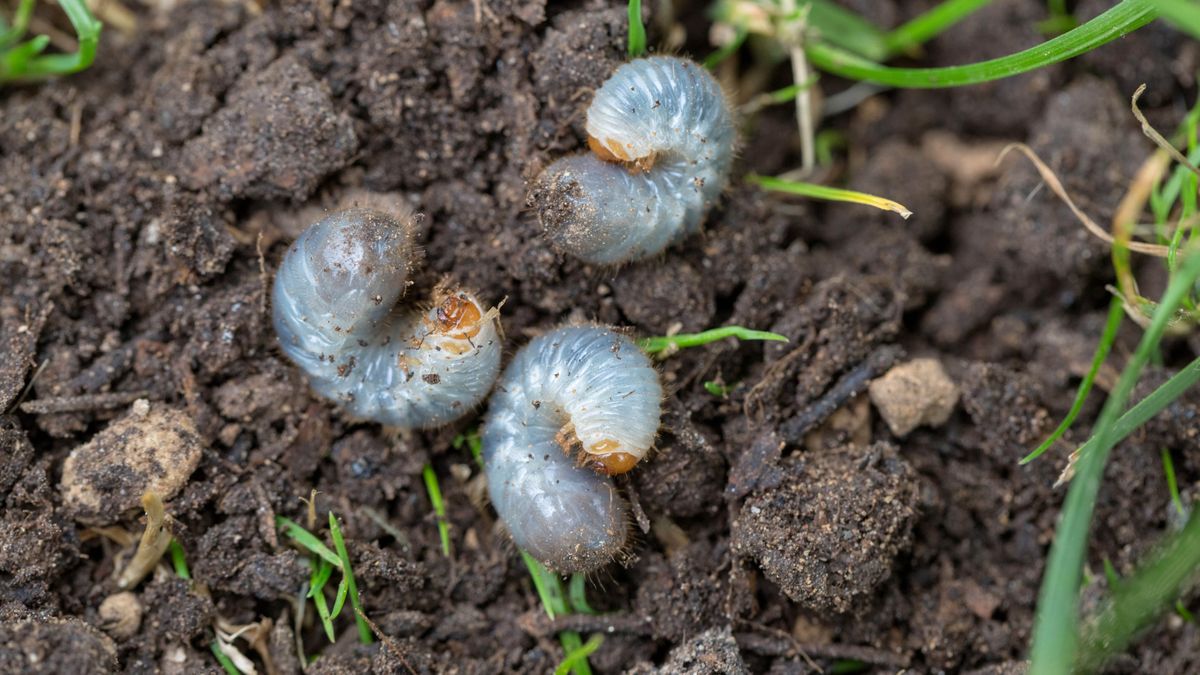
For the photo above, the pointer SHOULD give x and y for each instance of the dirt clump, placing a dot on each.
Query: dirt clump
(298, 137)
(120, 615)
(38, 643)
(914, 394)
(713, 652)
(152, 449)
(830, 533)
(683, 593)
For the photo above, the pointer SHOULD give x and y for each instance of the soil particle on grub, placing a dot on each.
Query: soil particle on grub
(36, 642)
(152, 449)
(829, 534)
(913, 394)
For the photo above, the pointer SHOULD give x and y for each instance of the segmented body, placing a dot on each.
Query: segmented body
(575, 404)
(335, 312)
(662, 140)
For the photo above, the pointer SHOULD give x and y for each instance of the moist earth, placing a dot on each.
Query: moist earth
(145, 203)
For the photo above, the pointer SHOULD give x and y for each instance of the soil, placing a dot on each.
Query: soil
(145, 203)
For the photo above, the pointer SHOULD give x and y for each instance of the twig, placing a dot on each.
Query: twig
(850, 385)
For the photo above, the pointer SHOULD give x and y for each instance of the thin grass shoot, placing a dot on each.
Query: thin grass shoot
(828, 193)
(439, 507)
(669, 344)
(1116, 312)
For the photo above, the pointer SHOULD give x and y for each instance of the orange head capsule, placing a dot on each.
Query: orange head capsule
(458, 317)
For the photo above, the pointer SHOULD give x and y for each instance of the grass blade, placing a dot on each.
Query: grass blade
(1056, 630)
(439, 507)
(20, 24)
(178, 559)
(673, 343)
(925, 26)
(1127, 16)
(1172, 482)
(339, 600)
(317, 593)
(577, 592)
(828, 193)
(1142, 596)
(308, 540)
(1183, 14)
(846, 29)
(578, 656)
(550, 592)
(637, 31)
(321, 577)
(87, 32)
(335, 533)
(225, 661)
(725, 51)
(1116, 312)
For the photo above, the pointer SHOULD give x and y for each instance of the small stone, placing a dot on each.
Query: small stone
(105, 478)
(121, 615)
(913, 394)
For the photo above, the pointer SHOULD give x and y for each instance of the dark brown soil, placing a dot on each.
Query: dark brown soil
(144, 205)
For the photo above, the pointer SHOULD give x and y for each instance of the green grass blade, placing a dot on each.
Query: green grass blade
(672, 343)
(1110, 574)
(320, 577)
(1127, 16)
(87, 32)
(577, 592)
(225, 661)
(308, 540)
(1141, 597)
(1116, 312)
(439, 507)
(827, 193)
(19, 25)
(578, 657)
(178, 559)
(788, 94)
(725, 51)
(339, 600)
(1172, 483)
(636, 45)
(926, 26)
(335, 533)
(323, 608)
(1153, 404)
(1056, 629)
(554, 602)
(846, 29)
(548, 588)
(15, 60)
(1183, 14)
